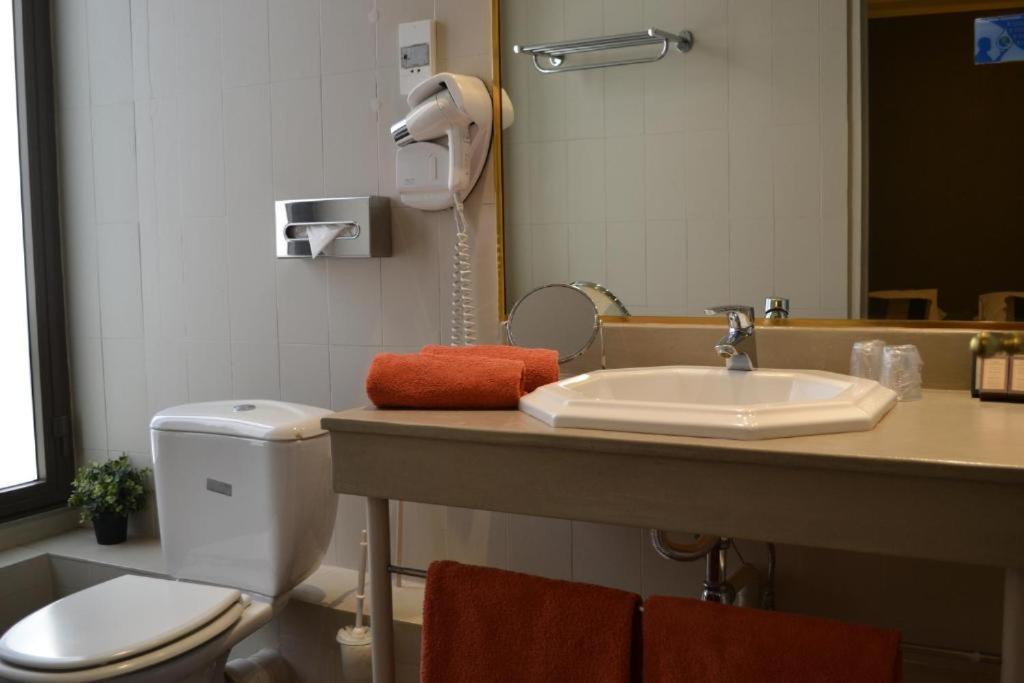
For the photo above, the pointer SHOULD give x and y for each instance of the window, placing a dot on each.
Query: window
(36, 459)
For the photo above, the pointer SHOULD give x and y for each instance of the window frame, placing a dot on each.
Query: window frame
(43, 267)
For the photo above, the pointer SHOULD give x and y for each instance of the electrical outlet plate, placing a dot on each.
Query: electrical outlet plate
(417, 54)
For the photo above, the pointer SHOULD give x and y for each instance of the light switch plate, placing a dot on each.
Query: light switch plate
(417, 53)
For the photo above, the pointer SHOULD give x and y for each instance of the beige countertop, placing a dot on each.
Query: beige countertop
(946, 434)
(941, 478)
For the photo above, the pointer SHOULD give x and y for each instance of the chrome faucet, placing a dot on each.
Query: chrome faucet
(738, 347)
(776, 308)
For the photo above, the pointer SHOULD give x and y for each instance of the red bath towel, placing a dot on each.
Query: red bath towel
(541, 364)
(421, 381)
(689, 640)
(491, 626)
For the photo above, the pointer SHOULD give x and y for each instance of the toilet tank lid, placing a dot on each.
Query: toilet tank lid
(250, 419)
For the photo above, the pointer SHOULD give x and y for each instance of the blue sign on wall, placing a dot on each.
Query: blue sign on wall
(999, 39)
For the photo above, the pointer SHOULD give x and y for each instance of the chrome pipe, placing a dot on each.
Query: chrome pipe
(745, 583)
(407, 571)
(716, 584)
(768, 591)
(975, 656)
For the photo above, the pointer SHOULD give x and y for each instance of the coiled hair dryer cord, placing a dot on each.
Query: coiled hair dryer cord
(463, 309)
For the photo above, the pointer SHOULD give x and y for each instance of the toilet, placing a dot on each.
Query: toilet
(246, 512)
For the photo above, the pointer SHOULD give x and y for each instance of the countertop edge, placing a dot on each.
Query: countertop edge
(717, 450)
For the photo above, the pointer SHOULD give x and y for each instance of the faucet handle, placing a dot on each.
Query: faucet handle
(740, 317)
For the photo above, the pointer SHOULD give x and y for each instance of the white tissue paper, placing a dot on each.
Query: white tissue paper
(320, 236)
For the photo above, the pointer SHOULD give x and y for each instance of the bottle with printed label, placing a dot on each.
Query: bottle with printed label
(1015, 349)
(989, 376)
(998, 370)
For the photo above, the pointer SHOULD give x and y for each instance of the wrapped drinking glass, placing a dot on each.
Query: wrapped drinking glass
(901, 371)
(866, 359)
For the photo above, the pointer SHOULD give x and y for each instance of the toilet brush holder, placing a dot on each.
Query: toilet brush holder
(356, 654)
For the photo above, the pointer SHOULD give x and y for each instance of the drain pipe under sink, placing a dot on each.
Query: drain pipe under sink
(719, 586)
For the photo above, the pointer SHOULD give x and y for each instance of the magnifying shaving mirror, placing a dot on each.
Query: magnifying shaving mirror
(564, 317)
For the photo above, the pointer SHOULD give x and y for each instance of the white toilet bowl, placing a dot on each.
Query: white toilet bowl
(244, 500)
(135, 628)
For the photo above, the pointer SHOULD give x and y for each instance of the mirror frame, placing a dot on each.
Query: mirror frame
(859, 11)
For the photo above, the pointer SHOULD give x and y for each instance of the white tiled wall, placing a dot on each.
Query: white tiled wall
(715, 176)
(181, 120)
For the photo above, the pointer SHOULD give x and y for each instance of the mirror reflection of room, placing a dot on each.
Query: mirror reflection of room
(945, 144)
(702, 178)
(854, 159)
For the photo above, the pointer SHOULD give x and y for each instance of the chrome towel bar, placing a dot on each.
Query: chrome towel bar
(407, 571)
(554, 53)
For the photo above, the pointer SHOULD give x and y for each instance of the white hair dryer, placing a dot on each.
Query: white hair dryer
(442, 147)
(443, 141)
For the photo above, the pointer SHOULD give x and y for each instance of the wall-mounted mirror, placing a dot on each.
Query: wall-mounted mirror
(858, 157)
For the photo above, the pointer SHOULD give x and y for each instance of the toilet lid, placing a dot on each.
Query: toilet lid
(112, 621)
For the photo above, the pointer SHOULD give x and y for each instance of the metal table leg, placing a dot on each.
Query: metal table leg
(381, 616)
(1013, 627)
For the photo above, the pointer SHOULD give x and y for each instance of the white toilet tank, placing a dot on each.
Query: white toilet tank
(243, 491)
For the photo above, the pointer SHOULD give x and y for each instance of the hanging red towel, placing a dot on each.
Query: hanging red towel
(419, 381)
(541, 364)
(485, 625)
(690, 640)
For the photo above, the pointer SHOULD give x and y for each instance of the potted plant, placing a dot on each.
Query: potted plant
(107, 492)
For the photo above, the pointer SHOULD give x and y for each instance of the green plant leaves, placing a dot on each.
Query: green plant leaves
(114, 486)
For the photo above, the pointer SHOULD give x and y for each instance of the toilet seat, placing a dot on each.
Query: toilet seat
(117, 627)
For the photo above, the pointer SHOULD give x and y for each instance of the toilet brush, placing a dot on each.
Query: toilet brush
(355, 641)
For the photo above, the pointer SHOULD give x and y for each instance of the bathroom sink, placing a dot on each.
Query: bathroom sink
(712, 402)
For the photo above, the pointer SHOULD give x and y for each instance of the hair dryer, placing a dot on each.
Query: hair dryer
(456, 109)
(450, 107)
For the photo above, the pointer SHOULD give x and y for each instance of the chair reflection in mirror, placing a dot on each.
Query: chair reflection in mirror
(905, 304)
(1001, 306)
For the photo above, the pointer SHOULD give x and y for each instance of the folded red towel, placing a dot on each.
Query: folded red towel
(689, 640)
(482, 625)
(422, 381)
(541, 364)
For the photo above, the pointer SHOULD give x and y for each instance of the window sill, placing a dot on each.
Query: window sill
(39, 526)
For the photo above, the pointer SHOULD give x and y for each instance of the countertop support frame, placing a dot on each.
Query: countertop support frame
(899, 490)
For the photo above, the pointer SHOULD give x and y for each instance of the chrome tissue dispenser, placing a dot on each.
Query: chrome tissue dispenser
(365, 224)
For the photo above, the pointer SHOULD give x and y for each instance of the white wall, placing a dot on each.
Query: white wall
(180, 121)
(712, 177)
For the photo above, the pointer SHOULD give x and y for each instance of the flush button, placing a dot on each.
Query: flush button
(243, 407)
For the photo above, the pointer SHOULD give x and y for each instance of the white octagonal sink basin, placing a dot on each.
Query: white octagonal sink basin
(713, 402)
